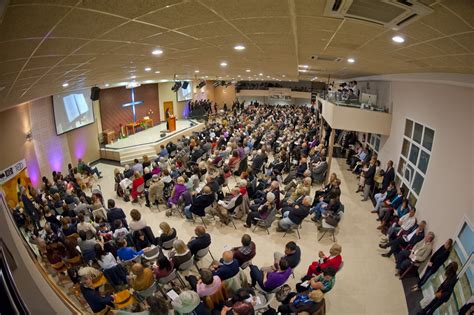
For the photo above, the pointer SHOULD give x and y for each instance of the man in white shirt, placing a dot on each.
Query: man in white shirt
(223, 207)
(407, 221)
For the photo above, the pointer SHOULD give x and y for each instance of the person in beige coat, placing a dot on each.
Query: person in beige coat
(417, 255)
(155, 191)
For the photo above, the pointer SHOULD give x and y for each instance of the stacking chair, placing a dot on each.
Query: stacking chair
(185, 266)
(140, 193)
(297, 227)
(168, 245)
(202, 253)
(267, 222)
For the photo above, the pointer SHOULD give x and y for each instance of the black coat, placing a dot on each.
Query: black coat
(114, 214)
(387, 178)
(369, 175)
(199, 243)
(200, 203)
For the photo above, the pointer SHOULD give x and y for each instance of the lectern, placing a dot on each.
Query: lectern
(171, 123)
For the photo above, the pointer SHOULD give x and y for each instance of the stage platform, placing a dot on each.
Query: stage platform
(147, 141)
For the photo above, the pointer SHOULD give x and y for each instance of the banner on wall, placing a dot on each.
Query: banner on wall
(11, 171)
(9, 179)
(279, 94)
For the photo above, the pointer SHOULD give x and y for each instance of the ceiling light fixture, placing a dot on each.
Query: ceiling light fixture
(398, 39)
(350, 60)
(65, 84)
(157, 52)
(196, 71)
(223, 64)
(239, 47)
(282, 75)
(260, 74)
(302, 70)
(107, 85)
(133, 77)
(147, 69)
(248, 70)
(304, 66)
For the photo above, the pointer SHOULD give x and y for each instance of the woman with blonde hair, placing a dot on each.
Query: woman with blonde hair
(180, 253)
(168, 233)
(334, 260)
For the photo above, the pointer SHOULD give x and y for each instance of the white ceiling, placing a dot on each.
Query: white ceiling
(45, 43)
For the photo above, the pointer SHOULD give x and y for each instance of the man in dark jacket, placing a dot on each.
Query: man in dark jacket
(199, 203)
(406, 241)
(114, 214)
(294, 215)
(369, 179)
(96, 302)
(388, 175)
(200, 241)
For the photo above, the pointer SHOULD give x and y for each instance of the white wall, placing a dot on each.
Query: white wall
(446, 195)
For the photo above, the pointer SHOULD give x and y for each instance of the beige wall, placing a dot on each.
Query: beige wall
(225, 95)
(446, 196)
(164, 95)
(46, 151)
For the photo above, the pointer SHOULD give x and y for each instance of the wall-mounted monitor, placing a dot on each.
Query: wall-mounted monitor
(185, 93)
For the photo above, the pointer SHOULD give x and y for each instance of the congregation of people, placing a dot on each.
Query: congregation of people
(253, 167)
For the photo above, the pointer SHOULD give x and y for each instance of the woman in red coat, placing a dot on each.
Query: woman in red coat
(334, 260)
(137, 181)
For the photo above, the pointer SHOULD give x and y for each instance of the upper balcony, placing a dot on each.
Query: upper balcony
(355, 116)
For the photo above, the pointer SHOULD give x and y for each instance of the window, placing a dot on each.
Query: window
(414, 158)
(374, 142)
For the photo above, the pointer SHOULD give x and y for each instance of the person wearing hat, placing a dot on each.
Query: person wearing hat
(188, 302)
(262, 211)
(155, 191)
(309, 302)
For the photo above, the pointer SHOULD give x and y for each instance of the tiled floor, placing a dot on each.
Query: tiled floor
(366, 285)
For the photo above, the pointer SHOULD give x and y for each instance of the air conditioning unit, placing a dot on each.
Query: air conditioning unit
(393, 14)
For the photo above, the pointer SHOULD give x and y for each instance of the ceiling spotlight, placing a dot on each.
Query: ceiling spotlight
(304, 66)
(238, 76)
(223, 64)
(157, 52)
(107, 85)
(260, 74)
(133, 77)
(398, 39)
(157, 72)
(350, 60)
(282, 75)
(65, 84)
(302, 70)
(248, 70)
(147, 69)
(239, 47)
(196, 71)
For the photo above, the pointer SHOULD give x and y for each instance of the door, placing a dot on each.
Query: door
(167, 105)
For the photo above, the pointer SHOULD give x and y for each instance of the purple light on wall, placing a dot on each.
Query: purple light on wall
(33, 171)
(55, 156)
(186, 109)
(80, 147)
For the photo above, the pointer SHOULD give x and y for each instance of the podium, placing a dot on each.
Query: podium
(171, 124)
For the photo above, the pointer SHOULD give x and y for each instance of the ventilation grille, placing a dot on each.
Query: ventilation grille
(389, 13)
(327, 58)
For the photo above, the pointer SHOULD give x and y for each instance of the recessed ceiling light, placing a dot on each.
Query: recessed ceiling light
(148, 81)
(223, 64)
(302, 70)
(398, 39)
(206, 76)
(107, 85)
(238, 76)
(219, 77)
(248, 70)
(133, 77)
(282, 75)
(65, 84)
(260, 74)
(157, 72)
(196, 71)
(350, 60)
(157, 52)
(239, 47)
(147, 69)
(304, 66)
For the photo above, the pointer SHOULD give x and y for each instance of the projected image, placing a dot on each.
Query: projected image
(72, 110)
(186, 93)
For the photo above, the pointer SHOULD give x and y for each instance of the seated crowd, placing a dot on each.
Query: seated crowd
(275, 156)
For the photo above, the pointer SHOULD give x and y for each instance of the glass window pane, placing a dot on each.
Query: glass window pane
(409, 172)
(405, 147)
(466, 236)
(414, 153)
(408, 128)
(412, 200)
(401, 165)
(417, 183)
(418, 133)
(428, 138)
(398, 181)
(423, 162)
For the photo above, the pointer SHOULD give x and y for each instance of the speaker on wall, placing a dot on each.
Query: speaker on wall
(185, 85)
(95, 91)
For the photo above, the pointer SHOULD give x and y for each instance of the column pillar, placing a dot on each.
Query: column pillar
(330, 152)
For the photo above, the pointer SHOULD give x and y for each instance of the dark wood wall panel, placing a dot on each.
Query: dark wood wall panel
(113, 114)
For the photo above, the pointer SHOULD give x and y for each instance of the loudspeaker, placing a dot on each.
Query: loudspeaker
(95, 91)
(185, 85)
